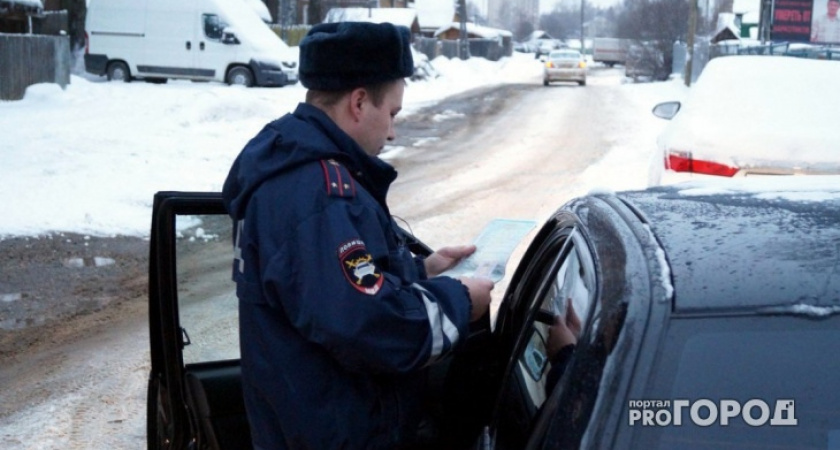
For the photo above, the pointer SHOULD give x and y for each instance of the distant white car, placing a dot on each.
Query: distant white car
(565, 65)
(752, 116)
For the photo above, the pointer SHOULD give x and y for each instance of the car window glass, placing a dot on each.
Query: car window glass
(572, 286)
(568, 412)
(213, 26)
(207, 302)
(574, 398)
(771, 359)
(565, 55)
(567, 278)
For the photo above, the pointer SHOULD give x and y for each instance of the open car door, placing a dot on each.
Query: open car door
(194, 393)
(195, 396)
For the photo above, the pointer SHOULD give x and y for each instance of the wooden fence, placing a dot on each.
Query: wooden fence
(492, 49)
(27, 59)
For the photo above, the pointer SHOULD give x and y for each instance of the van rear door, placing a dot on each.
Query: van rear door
(116, 30)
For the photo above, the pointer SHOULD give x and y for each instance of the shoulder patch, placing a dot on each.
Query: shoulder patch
(338, 180)
(358, 267)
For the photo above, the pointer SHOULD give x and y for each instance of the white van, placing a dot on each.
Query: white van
(221, 40)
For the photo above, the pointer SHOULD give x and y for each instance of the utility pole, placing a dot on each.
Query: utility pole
(692, 30)
(582, 34)
(463, 42)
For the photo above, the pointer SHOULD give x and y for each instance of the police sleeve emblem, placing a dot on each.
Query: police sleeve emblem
(358, 267)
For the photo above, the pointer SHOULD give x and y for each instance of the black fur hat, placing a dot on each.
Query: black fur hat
(347, 55)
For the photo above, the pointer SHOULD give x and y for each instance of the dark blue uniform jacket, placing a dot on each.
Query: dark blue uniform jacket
(337, 317)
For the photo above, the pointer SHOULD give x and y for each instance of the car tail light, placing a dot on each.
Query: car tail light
(683, 162)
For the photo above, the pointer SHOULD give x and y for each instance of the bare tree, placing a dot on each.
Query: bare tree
(315, 11)
(561, 23)
(76, 11)
(564, 21)
(654, 25)
(523, 30)
(474, 13)
(273, 9)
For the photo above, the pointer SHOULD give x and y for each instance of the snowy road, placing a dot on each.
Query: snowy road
(524, 156)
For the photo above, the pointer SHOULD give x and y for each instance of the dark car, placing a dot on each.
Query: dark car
(711, 319)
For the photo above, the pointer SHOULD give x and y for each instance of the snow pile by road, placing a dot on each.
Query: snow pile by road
(89, 159)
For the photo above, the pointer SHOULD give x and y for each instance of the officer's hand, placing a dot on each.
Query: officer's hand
(445, 258)
(479, 295)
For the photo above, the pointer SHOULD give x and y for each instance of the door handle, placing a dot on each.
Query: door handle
(189, 45)
(201, 46)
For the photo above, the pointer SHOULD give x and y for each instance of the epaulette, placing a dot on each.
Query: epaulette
(338, 179)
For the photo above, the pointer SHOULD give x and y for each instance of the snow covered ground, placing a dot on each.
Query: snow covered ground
(90, 158)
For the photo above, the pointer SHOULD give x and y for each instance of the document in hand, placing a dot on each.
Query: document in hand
(494, 246)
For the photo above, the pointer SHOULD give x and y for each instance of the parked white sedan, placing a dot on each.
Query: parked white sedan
(752, 116)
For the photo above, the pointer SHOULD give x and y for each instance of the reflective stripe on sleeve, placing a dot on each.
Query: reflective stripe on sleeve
(443, 330)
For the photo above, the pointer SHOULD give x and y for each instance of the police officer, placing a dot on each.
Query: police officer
(339, 321)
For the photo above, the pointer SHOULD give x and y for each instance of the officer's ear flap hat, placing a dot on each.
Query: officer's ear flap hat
(347, 55)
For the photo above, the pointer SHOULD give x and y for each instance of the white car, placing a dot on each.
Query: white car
(565, 65)
(752, 116)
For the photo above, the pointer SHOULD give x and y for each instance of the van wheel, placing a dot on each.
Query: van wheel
(118, 71)
(240, 76)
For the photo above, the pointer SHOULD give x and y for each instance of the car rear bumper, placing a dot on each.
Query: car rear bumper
(96, 64)
(565, 75)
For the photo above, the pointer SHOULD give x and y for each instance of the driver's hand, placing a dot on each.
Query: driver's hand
(563, 332)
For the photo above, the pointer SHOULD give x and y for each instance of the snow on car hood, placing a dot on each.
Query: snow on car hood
(752, 111)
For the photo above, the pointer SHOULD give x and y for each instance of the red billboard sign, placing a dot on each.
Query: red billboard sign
(812, 21)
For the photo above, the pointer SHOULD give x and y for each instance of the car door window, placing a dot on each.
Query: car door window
(207, 304)
(566, 414)
(563, 277)
(213, 27)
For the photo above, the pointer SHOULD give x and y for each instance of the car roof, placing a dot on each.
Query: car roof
(737, 247)
(753, 110)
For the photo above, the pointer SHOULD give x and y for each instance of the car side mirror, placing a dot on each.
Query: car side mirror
(667, 110)
(228, 37)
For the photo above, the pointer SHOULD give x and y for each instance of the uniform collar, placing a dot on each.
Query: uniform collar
(373, 173)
